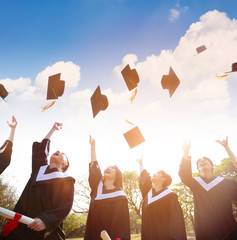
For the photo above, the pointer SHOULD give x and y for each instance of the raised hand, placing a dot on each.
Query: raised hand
(186, 148)
(140, 161)
(91, 140)
(57, 126)
(12, 124)
(224, 142)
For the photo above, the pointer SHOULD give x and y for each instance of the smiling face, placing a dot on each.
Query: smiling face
(204, 166)
(158, 178)
(59, 159)
(110, 173)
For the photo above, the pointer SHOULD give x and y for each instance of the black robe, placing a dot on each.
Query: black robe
(5, 155)
(108, 209)
(213, 212)
(162, 217)
(48, 195)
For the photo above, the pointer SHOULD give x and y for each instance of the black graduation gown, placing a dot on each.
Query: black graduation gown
(213, 212)
(48, 196)
(5, 155)
(162, 217)
(108, 209)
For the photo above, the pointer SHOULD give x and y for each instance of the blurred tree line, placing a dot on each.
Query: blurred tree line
(75, 223)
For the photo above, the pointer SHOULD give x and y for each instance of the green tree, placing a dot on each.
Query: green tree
(73, 222)
(226, 169)
(8, 198)
(81, 195)
(131, 188)
(186, 201)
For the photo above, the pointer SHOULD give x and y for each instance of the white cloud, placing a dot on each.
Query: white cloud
(197, 73)
(17, 85)
(81, 97)
(176, 12)
(130, 59)
(70, 73)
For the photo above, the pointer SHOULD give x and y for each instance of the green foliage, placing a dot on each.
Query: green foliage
(135, 222)
(131, 188)
(226, 169)
(186, 201)
(8, 198)
(74, 222)
(81, 195)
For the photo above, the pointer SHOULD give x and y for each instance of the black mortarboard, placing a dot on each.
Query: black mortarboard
(3, 91)
(234, 68)
(170, 82)
(131, 77)
(201, 49)
(55, 87)
(98, 101)
(134, 137)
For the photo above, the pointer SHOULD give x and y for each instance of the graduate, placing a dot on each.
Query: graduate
(6, 148)
(213, 214)
(48, 195)
(109, 205)
(162, 217)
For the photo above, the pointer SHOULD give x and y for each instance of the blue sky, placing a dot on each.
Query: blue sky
(90, 42)
(95, 34)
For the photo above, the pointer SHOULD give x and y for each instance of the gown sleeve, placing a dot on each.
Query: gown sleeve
(95, 176)
(40, 152)
(5, 155)
(145, 184)
(176, 223)
(62, 201)
(185, 173)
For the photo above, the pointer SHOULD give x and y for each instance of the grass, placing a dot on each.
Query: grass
(133, 237)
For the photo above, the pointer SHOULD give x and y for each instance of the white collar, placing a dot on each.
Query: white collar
(157, 197)
(41, 176)
(100, 195)
(209, 186)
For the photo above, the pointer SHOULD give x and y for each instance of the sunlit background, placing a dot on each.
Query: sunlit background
(89, 42)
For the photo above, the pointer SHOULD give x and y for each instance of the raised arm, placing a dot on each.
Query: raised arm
(40, 150)
(57, 126)
(95, 175)
(225, 144)
(12, 125)
(185, 169)
(145, 183)
(93, 153)
(6, 148)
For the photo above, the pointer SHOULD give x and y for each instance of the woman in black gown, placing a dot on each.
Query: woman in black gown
(109, 205)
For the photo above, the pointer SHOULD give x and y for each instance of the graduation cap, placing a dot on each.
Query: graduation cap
(234, 68)
(55, 87)
(134, 137)
(98, 101)
(131, 77)
(170, 82)
(201, 49)
(3, 91)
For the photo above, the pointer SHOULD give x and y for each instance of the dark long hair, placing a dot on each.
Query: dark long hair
(118, 182)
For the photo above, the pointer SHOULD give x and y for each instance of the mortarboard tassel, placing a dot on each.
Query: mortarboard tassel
(129, 122)
(222, 76)
(133, 95)
(48, 106)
